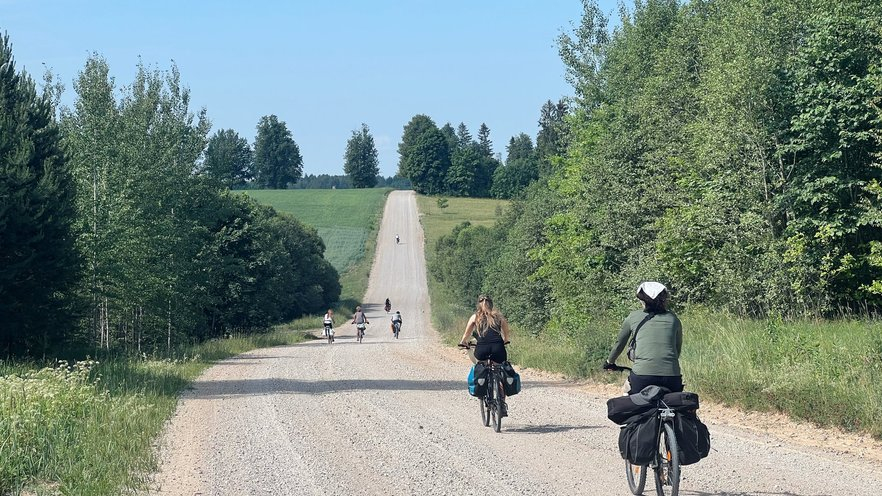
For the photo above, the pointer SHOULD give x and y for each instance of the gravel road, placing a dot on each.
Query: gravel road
(392, 416)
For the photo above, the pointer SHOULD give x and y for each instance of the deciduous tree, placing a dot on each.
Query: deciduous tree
(277, 160)
(360, 162)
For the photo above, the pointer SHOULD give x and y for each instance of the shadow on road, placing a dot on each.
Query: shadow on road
(750, 493)
(205, 389)
(550, 428)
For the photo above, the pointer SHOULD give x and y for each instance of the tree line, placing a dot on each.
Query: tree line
(728, 148)
(448, 161)
(114, 233)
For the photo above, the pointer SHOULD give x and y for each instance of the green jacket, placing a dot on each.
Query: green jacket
(658, 343)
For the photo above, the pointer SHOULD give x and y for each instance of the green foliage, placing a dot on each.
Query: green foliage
(277, 160)
(520, 169)
(169, 257)
(442, 202)
(360, 163)
(39, 264)
(228, 159)
(424, 155)
(730, 149)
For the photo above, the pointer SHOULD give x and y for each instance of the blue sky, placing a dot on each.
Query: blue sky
(323, 67)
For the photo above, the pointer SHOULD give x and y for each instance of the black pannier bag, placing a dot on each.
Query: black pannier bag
(693, 438)
(511, 380)
(638, 440)
(681, 402)
(622, 408)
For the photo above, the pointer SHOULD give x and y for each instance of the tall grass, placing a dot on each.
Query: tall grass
(827, 372)
(87, 428)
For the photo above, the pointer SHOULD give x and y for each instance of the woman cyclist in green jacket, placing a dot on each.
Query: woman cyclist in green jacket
(658, 341)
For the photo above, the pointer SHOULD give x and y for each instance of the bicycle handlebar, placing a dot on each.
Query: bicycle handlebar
(466, 346)
(615, 368)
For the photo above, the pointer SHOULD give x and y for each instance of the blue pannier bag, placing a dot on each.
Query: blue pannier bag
(478, 380)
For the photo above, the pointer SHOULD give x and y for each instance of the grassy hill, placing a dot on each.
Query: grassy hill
(344, 218)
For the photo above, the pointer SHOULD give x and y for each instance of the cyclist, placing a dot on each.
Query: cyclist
(396, 318)
(328, 322)
(490, 329)
(359, 318)
(397, 239)
(388, 305)
(657, 345)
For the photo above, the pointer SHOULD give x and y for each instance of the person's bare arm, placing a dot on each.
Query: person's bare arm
(468, 330)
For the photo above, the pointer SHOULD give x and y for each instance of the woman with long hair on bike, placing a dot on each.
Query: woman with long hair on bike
(658, 339)
(490, 329)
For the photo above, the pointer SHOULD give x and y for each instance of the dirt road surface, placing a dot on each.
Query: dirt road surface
(392, 416)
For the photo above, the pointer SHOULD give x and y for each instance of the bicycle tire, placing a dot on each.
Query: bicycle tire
(497, 405)
(330, 338)
(667, 470)
(485, 411)
(636, 475)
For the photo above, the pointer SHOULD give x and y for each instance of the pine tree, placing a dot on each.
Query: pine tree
(38, 261)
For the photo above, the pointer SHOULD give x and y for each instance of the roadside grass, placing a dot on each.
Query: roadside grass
(344, 218)
(88, 428)
(826, 372)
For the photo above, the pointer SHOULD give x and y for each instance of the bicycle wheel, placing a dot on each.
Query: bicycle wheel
(487, 402)
(667, 472)
(359, 334)
(485, 410)
(636, 475)
(497, 404)
(330, 338)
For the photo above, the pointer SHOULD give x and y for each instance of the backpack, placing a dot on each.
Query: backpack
(638, 440)
(511, 380)
(477, 380)
(693, 438)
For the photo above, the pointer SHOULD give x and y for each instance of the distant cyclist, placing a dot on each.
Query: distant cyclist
(328, 322)
(388, 306)
(359, 319)
(396, 319)
(397, 239)
(657, 343)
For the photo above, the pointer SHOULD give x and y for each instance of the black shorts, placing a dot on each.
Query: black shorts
(492, 351)
(672, 382)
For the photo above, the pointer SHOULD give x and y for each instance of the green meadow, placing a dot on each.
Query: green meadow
(344, 218)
